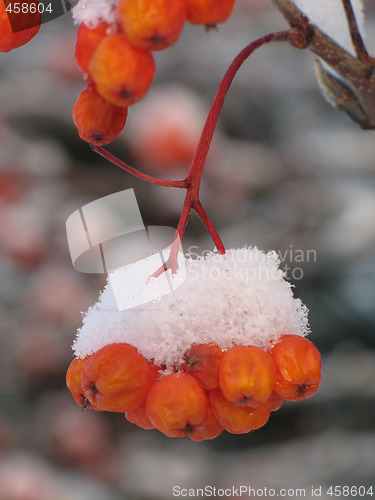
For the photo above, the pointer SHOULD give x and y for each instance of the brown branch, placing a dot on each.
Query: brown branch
(355, 34)
(356, 72)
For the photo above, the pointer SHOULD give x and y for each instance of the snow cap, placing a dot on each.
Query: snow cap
(240, 298)
(92, 12)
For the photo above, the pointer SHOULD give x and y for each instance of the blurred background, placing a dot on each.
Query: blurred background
(286, 172)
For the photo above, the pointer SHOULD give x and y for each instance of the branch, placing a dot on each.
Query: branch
(198, 207)
(355, 34)
(193, 179)
(356, 72)
(133, 171)
(196, 168)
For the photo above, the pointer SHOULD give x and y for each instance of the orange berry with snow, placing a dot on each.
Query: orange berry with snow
(88, 40)
(202, 361)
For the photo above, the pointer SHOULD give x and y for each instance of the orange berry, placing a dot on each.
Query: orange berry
(122, 73)
(208, 429)
(117, 378)
(202, 361)
(238, 419)
(247, 375)
(138, 416)
(88, 40)
(176, 404)
(208, 11)
(73, 382)
(97, 120)
(18, 29)
(152, 24)
(298, 367)
(276, 401)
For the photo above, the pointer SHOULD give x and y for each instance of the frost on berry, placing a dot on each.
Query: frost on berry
(92, 12)
(330, 18)
(240, 298)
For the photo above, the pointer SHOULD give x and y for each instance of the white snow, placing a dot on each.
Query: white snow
(239, 298)
(91, 12)
(329, 16)
(132, 287)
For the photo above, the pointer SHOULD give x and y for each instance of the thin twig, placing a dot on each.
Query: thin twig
(136, 173)
(172, 261)
(355, 34)
(198, 163)
(193, 179)
(198, 207)
(357, 74)
(321, 44)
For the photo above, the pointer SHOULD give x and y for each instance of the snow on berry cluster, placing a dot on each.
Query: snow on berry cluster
(92, 12)
(221, 352)
(240, 298)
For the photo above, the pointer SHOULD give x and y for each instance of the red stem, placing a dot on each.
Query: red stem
(193, 179)
(198, 207)
(194, 176)
(133, 171)
(196, 168)
(172, 262)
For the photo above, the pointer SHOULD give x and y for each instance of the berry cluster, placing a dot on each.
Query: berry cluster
(212, 390)
(117, 62)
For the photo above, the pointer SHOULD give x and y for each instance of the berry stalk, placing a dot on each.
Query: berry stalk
(197, 166)
(193, 180)
(133, 171)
